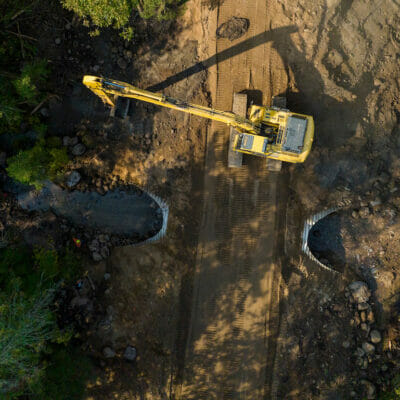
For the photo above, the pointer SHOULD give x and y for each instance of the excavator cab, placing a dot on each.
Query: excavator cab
(281, 134)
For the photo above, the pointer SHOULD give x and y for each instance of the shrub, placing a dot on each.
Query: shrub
(35, 165)
(393, 394)
(26, 323)
(16, 266)
(117, 13)
(20, 93)
(66, 375)
(26, 84)
(31, 361)
(102, 13)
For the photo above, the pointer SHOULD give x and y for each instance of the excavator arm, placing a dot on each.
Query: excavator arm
(109, 90)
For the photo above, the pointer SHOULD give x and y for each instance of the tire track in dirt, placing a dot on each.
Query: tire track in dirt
(235, 314)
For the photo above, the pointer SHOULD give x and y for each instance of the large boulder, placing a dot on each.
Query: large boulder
(130, 353)
(78, 149)
(72, 179)
(360, 291)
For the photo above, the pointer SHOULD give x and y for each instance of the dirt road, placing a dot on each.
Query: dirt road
(235, 314)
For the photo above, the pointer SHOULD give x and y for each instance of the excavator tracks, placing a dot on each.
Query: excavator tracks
(230, 352)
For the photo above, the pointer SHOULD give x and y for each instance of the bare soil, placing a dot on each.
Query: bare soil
(226, 306)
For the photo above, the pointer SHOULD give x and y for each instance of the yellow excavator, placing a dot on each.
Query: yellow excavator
(274, 132)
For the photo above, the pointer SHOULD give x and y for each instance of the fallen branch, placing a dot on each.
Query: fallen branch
(21, 35)
(42, 102)
(17, 14)
(20, 41)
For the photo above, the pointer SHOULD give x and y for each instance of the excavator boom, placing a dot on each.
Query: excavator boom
(108, 90)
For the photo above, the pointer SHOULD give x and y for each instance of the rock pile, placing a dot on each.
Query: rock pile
(367, 338)
(100, 247)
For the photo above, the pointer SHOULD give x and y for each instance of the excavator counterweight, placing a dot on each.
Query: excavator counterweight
(271, 132)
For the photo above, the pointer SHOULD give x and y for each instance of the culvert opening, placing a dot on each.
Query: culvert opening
(326, 243)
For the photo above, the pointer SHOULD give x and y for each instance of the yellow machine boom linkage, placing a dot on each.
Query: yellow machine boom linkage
(271, 132)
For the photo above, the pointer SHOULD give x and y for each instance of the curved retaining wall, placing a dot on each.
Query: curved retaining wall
(308, 224)
(165, 213)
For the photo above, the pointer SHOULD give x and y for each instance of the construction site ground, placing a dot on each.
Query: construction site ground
(226, 306)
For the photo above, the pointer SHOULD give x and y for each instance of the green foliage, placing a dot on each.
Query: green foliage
(127, 33)
(47, 262)
(51, 265)
(117, 13)
(102, 13)
(65, 376)
(16, 263)
(26, 84)
(35, 165)
(28, 326)
(40, 268)
(11, 114)
(161, 9)
(19, 94)
(393, 394)
(21, 75)
(70, 264)
(26, 323)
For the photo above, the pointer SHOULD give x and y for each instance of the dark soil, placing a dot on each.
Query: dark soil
(233, 29)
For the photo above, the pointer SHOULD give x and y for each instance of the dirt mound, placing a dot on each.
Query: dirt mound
(233, 29)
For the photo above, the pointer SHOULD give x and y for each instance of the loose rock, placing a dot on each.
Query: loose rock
(369, 348)
(70, 141)
(346, 344)
(364, 327)
(45, 112)
(360, 291)
(370, 317)
(94, 245)
(107, 276)
(108, 352)
(122, 63)
(104, 252)
(73, 178)
(362, 306)
(375, 336)
(130, 353)
(360, 352)
(78, 149)
(103, 238)
(370, 389)
(96, 256)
